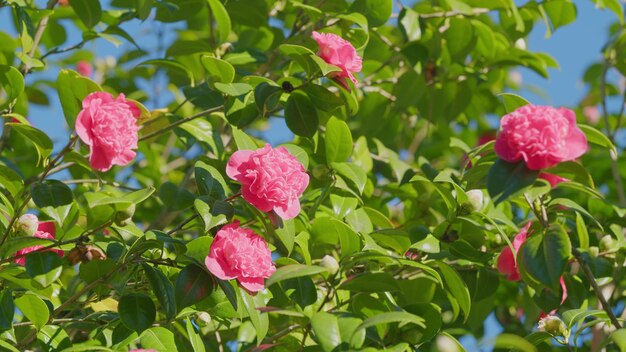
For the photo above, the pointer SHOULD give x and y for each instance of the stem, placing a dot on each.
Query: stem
(38, 35)
(180, 122)
(605, 305)
(540, 214)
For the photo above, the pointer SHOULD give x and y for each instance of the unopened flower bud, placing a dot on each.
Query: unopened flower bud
(124, 216)
(475, 197)
(554, 326)
(203, 318)
(607, 243)
(26, 225)
(330, 263)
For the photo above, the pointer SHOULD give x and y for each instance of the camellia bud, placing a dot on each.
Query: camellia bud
(124, 216)
(203, 318)
(607, 243)
(330, 263)
(475, 197)
(26, 225)
(554, 326)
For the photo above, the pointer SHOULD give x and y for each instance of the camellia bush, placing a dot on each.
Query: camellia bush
(419, 202)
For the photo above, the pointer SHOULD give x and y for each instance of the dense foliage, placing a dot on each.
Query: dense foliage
(163, 219)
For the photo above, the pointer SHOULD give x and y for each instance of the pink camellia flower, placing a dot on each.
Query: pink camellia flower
(542, 136)
(552, 178)
(507, 264)
(64, 2)
(339, 52)
(239, 253)
(45, 229)
(271, 179)
(109, 127)
(84, 68)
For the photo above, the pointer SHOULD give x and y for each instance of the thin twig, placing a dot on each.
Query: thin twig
(180, 122)
(596, 288)
(38, 35)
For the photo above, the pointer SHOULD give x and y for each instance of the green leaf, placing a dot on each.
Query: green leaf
(286, 232)
(210, 182)
(371, 283)
(560, 12)
(338, 141)
(301, 115)
(581, 230)
(194, 337)
(137, 311)
(198, 248)
(11, 84)
(325, 328)
(34, 309)
(542, 259)
(192, 285)
(352, 174)
(391, 317)
(115, 30)
(233, 89)
(44, 267)
(7, 309)
(222, 20)
(574, 316)
(301, 290)
(89, 11)
(456, 288)
(293, 271)
(95, 269)
(514, 342)
(243, 140)
(512, 101)
(73, 88)
(175, 198)
(377, 12)
(163, 290)
(299, 153)
(40, 140)
(409, 24)
(259, 321)
(13, 245)
(613, 5)
(158, 339)
(171, 64)
(322, 98)
(505, 179)
(596, 137)
(329, 230)
(267, 96)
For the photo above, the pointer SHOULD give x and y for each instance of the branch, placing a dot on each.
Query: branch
(605, 305)
(38, 35)
(180, 122)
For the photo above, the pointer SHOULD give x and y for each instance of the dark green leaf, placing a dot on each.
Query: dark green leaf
(301, 115)
(163, 290)
(89, 11)
(377, 12)
(137, 311)
(7, 309)
(542, 259)
(51, 193)
(222, 20)
(293, 271)
(192, 285)
(44, 267)
(371, 282)
(505, 179)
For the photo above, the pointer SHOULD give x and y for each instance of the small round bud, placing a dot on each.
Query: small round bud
(475, 197)
(594, 251)
(554, 326)
(124, 217)
(203, 318)
(607, 243)
(330, 263)
(26, 225)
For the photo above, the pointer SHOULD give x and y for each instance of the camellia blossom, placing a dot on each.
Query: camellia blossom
(507, 264)
(45, 229)
(339, 52)
(109, 127)
(239, 253)
(541, 136)
(271, 179)
(84, 68)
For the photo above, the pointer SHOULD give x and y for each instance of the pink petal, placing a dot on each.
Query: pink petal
(236, 160)
(552, 179)
(100, 159)
(506, 265)
(290, 211)
(504, 151)
(216, 269)
(83, 126)
(252, 284)
(576, 144)
(262, 204)
(47, 226)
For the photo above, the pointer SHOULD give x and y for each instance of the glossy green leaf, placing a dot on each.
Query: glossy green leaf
(222, 20)
(326, 330)
(34, 309)
(371, 283)
(163, 290)
(293, 271)
(11, 84)
(596, 137)
(72, 88)
(506, 179)
(192, 285)
(137, 311)
(456, 288)
(377, 12)
(338, 141)
(194, 337)
(542, 259)
(7, 309)
(512, 101)
(44, 267)
(158, 339)
(301, 115)
(89, 11)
